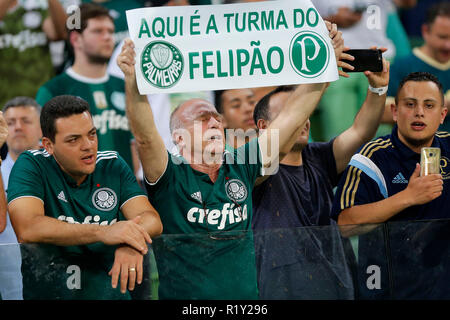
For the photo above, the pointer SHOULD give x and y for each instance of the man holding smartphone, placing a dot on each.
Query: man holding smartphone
(374, 187)
(383, 184)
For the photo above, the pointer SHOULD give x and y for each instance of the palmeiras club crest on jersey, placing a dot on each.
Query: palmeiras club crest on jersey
(104, 199)
(236, 190)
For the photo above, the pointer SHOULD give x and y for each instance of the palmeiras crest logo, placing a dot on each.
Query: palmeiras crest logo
(162, 64)
(104, 199)
(236, 190)
(309, 54)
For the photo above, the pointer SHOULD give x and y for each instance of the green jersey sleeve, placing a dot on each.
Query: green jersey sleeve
(25, 179)
(129, 188)
(43, 95)
(162, 184)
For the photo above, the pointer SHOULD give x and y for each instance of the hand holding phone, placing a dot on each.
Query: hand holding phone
(430, 161)
(365, 60)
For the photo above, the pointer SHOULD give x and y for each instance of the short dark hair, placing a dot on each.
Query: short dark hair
(218, 100)
(420, 77)
(60, 107)
(91, 11)
(261, 110)
(436, 10)
(22, 101)
(155, 3)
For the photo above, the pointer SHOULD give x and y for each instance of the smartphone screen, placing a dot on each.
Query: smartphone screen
(365, 60)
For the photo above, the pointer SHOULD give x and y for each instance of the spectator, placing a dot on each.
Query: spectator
(236, 106)
(206, 189)
(93, 45)
(379, 195)
(301, 195)
(26, 27)
(117, 10)
(382, 184)
(412, 18)
(72, 198)
(24, 133)
(433, 56)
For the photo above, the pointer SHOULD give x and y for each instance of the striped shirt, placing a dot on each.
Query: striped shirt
(382, 168)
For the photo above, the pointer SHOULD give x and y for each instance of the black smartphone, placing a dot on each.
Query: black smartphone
(365, 60)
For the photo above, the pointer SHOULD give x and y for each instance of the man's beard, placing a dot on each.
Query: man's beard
(97, 59)
(417, 142)
(299, 146)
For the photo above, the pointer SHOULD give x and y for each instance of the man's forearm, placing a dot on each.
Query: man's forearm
(49, 230)
(368, 118)
(151, 223)
(299, 106)
(139, 113)
(2, 221)
(150, 145)
(362, 130)
(59, 18)
(376, 212)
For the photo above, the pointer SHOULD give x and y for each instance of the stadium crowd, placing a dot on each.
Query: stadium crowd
(103, 191)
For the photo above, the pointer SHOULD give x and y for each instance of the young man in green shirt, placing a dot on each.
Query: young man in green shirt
(87, 78)
(85, 208)
(204, 195)
(26, 29)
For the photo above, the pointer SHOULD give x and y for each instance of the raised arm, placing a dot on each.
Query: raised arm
(150, 145)
(299, 106)
(55, 24)
(366, 121)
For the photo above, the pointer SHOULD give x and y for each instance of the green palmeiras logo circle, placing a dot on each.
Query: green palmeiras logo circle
(162, 64)
(236, 190)
(104, 199)
(309, 54)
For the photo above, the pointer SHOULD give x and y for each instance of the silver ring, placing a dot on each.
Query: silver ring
(132, 269)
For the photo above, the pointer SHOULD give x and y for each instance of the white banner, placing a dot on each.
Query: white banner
(246, 45)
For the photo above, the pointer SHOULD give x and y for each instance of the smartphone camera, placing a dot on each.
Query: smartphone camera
(365, 60)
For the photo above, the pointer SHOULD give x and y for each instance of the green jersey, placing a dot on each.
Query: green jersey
(24, 52)
(95, 201)
(106, 98)
(207, 250)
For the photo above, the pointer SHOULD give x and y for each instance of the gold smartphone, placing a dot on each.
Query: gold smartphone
(430, 159)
